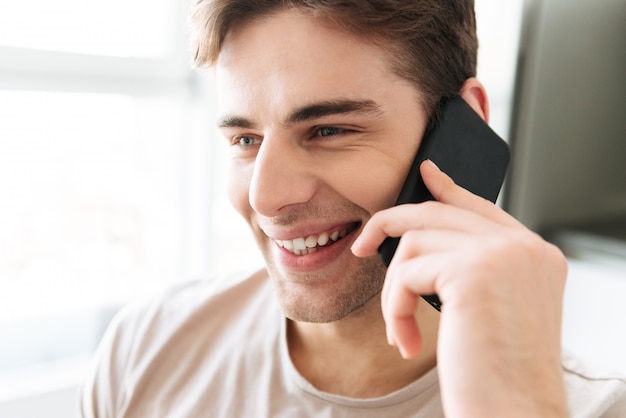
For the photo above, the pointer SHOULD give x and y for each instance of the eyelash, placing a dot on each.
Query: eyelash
(322, 132)
(336, 131)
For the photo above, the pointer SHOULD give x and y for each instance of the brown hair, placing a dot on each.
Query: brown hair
(431, 43)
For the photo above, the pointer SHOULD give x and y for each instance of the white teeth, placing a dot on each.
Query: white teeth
(299, 244)
(323, 239)
(310, 244)
(305, 251)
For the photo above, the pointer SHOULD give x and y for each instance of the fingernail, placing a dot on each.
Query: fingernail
(433, 165)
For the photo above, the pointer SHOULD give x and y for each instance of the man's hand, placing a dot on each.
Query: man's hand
(501, 286)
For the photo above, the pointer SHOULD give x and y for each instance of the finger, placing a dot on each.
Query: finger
(396, 221)
(406, 335)
(415, 244)
(407, 280)
(400, 323)
(422, 246)
(404, 284)
(444, 190)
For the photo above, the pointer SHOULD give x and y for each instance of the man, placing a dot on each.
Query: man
(324, 105)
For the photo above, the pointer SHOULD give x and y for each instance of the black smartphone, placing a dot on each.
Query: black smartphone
(464, 147)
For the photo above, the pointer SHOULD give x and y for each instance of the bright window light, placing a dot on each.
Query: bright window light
(123, 28)
(91, 204)
(103, 178)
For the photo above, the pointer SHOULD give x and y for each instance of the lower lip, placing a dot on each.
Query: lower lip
(317, 260)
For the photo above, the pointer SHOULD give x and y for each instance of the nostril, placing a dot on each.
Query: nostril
(270, 191)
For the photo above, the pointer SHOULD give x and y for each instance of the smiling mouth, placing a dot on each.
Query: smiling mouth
(312, 243)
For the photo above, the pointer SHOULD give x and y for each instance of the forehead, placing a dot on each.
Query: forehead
(284, 59)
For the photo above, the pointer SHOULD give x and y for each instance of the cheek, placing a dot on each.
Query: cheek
(372, 184)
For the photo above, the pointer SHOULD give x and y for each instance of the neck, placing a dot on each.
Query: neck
(351, 357)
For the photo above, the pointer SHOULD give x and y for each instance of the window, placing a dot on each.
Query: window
(105, 176)
(137, 28)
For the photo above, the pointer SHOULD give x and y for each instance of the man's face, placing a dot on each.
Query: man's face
(322, 134)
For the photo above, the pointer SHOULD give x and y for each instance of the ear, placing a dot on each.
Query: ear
(475, 95)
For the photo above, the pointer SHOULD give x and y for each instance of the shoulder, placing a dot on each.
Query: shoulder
(208, 303)
(147, 335)
(593, 390)
(186, 297)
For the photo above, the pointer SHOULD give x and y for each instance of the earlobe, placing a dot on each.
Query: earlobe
(475, 95)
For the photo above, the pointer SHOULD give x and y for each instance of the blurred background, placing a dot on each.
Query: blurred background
(112, 186)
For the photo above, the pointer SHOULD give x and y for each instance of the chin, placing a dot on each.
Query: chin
(323, 299)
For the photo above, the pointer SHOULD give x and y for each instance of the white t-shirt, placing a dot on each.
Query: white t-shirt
(218, 349)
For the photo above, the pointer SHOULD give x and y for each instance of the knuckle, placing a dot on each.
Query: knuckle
(431, 205)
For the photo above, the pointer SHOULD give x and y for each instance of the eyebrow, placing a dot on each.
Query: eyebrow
(234, 122)
(333, 107)
(311, 112)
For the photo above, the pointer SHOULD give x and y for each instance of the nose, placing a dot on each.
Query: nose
(283, 175)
